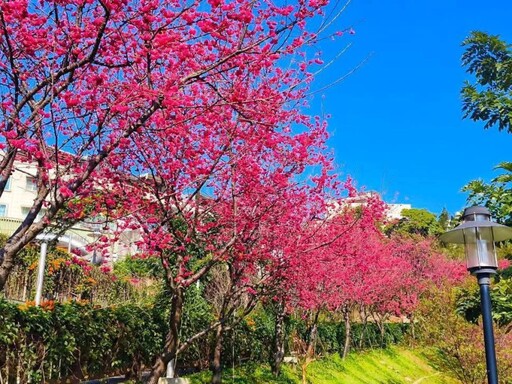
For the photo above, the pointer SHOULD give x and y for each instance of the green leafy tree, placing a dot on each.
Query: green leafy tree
(496, 195)
(489, 98)
(137, 267)
(468, 301)
(416, 222)
(444, 219)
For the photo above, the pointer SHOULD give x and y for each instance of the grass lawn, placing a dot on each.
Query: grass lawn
(391, 366)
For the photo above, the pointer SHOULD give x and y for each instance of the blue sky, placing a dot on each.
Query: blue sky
(396, 123)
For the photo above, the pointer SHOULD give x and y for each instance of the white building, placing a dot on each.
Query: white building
(20, 191)
(17, 199)
(393, 211)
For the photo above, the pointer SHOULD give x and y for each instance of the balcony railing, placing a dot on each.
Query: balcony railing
(79, 236)
(75, 237)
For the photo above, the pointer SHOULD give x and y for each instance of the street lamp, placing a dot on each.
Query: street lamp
(45, 239)
(40, 273)
(478, 234)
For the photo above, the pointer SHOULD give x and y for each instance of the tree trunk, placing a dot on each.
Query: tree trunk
(364, 327)
(5, 269)
(279, 340)
(171, 342)
(7, 258)
(346, 317)
(24, 234)
(310, 351)
(215, 365)
(382, 328)
(413, 329)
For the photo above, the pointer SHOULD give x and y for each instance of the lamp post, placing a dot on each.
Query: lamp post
(45, 239)
(478, 233)
(40, 273)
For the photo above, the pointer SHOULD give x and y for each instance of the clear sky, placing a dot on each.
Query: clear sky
(396, 124)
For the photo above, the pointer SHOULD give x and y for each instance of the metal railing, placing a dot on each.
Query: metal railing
(82, 235)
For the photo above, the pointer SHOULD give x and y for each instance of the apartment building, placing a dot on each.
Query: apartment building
(393, 211)
(17, 199)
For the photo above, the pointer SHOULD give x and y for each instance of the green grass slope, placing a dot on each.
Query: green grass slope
(391, 366)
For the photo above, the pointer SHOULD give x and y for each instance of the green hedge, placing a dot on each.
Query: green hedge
(252, 340)
(74, 341)
(331, 336)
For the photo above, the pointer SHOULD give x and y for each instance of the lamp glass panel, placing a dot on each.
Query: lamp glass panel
(481, 217)
(470, 245)
(479, 245)
(486, 249)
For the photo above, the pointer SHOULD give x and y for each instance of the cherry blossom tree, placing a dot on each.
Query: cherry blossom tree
(348, 264)
(252, 274)
(180, 120)
(309, 274)
(228, 220)
(80, 79)
(223, 160)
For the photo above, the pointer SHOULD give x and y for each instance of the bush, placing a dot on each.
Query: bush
(68, 277)
(251, 340)
(468, 300)
(75, 340)
(458, 344)
(331, 335)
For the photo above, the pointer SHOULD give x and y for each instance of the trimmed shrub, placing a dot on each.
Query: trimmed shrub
(74, 341)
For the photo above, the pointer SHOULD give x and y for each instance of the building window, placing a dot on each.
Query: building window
(8, 185)
(31, 183)
(3, 210)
